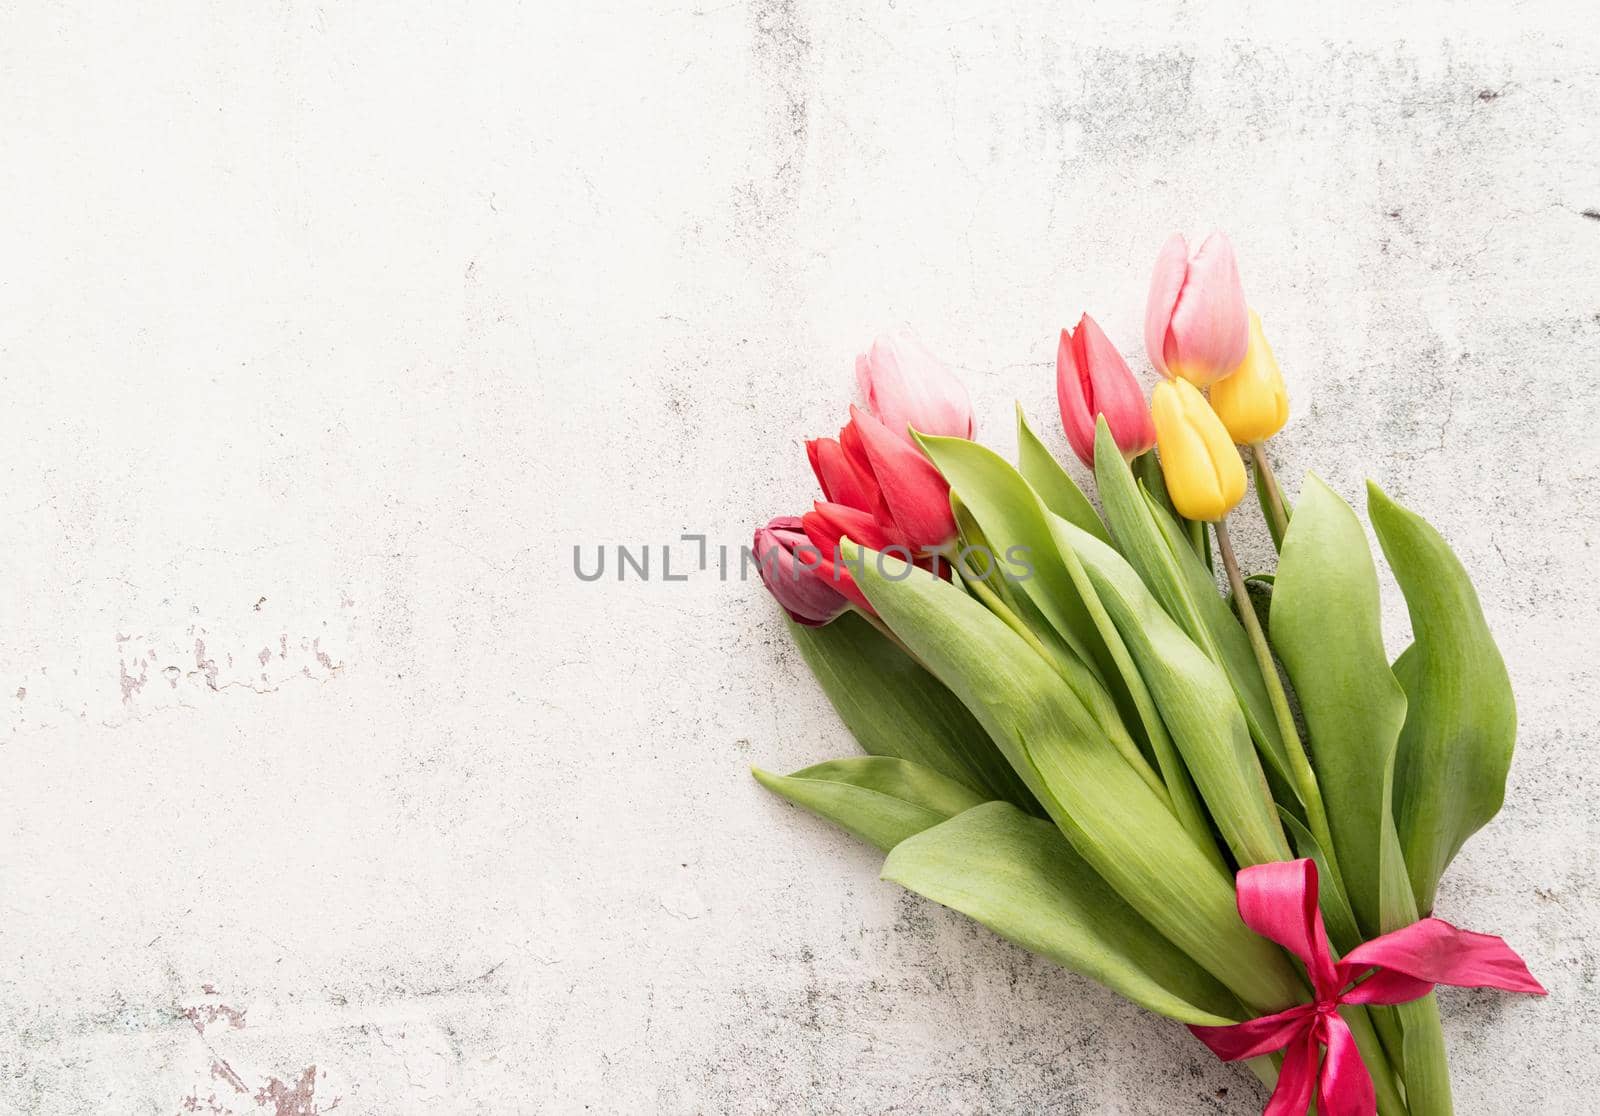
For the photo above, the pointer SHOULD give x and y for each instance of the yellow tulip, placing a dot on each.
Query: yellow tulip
(1253, 403)
(1204, 474)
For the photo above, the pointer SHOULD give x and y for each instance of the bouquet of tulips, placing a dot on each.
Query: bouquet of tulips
(1208, 790)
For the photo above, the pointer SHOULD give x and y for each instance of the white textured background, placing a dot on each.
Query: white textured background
(328, 330)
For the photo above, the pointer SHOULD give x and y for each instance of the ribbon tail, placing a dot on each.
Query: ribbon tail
(1255, 1037)
(1387, 986)
(1345, 1086)
(1297, 1079)
(1436, 952)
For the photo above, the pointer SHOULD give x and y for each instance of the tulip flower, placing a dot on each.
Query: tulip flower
(909, 388)
(795, 574)
(1253, 403)
(1195, 323)
(915, 495)
(1202, 469)
(1092, 379)
(889, 481)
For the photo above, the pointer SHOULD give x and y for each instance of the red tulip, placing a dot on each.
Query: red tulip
(793, 570)
(915, 495)
(882, 492)
(900, 497)
(825, 527)
(827, 523)
(909, 388)
(1092, 379)
(844, 479)
(1196, 325)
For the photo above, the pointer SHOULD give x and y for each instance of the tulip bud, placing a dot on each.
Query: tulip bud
(909, 388)
(1203, 471)
(795, 574)
(1195, 325)
(1253, 403)
(916, 496)
(1092, 379)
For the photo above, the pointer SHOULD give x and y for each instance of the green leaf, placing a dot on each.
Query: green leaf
(1107, 812)
(1055, 487)
(1196, 703)
(1325, 626)
(1146, 469)
(880, 799)
(1011, 517)
(894, 707)
(1157, 549)
(1060, 595)
(1461, 717)
(1018, 876)
(1427, 1069)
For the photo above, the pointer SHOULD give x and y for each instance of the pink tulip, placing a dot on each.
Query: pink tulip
(909, 388)
(796, 574)
(1092, 379)
(1195, 324)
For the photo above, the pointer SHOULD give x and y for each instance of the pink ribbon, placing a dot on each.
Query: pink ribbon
(1279, 901)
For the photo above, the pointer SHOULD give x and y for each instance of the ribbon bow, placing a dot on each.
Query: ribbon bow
(1279, 901)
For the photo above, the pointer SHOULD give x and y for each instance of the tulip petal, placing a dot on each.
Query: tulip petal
(917, 497)
(1166, 283)
(790, 568)
(908, 388)
(1252, 402)
(838, 521)
(837, 475)
(831, 569)
(861, 466)
(1209, 330)
(1114, 393)
(864, 381)
(1185, 465)
(1072, 393)
(1228, 466)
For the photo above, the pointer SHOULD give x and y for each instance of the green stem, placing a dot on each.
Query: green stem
(1269, 482)
(1427, 1072)
(1305, 778)
(1385, 1081)
(1386, 1021)
(1148, 470)
(1197, 539)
